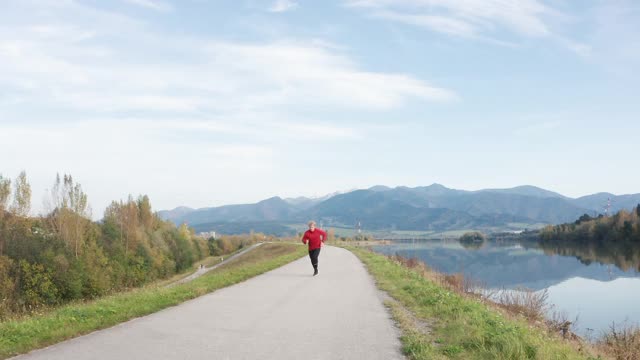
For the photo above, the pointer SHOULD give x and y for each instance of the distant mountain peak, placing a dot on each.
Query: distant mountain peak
(602, 194)
(272, 199)
(379, 188)
(527, 190)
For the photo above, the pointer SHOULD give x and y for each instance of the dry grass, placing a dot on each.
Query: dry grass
(526, 302)
(560, 323)
(621, 342)
(416, 265)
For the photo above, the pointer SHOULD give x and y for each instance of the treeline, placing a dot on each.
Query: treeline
(603, 239)
(63, 256)
(624, 226)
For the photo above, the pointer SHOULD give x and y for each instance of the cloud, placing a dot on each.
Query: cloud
(72, 66)
(581, 49)
(493, 21)
(283, 5)
(317, 131)
(318, 75)
(145, 155)
(113, 100)
(464, 18)
(152, 4)
(444, 24)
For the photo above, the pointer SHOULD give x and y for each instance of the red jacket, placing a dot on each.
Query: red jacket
(315, 238)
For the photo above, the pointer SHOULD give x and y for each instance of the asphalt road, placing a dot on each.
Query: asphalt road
(284, 314)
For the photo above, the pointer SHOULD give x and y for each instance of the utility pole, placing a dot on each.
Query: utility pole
(607, 208)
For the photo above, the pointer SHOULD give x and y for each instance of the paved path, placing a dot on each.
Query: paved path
(203, 271)
(283, 314)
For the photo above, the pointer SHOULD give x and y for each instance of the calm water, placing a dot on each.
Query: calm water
(599, 287)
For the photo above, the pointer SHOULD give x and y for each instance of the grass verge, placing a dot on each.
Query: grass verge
(21, 336)
(459, 327)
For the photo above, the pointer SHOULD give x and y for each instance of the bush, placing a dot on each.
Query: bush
(36, 286)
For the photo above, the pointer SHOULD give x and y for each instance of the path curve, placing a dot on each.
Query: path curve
(203, 271)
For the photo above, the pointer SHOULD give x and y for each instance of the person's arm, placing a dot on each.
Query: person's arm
(324, 235)
(304, 238)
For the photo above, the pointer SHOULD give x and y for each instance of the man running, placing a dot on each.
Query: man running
(315, 238)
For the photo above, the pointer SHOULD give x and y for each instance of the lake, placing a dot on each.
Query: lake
(597, 286)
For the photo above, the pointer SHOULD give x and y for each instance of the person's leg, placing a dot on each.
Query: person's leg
(311, 257)
(314, 260)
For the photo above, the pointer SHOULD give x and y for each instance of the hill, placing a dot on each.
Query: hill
(434, 207)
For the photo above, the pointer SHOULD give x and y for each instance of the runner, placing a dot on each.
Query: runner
(315, 238)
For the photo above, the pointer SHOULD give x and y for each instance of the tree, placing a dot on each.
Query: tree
(472, 240)
(131, 221)
(146, 215)
(583, 218)
(72, 213)
(22, 196)
(331, 235)
(127, 217)
(5, 192)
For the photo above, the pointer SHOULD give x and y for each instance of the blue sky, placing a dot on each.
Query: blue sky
(205, 103)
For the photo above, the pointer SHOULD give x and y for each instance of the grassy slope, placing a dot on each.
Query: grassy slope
(69, 321)
(459, 327)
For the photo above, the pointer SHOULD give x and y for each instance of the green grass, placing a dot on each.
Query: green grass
(459, 327)
(20, 336)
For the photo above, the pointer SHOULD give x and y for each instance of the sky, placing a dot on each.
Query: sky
(206, 103)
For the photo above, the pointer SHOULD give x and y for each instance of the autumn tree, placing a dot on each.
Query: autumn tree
(5, 192)
(146, 215)
(22, 196)
(71, 214)
(127, 218)
(131, 221)
(331, 235)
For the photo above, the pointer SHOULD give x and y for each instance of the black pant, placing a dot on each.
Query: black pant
(313, 254)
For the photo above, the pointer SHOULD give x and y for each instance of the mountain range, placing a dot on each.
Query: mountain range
(425, 208)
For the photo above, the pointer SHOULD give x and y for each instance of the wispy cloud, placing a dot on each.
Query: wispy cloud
(152, 4)
(283, 5)
(444, 24)
(64, 70)
(465, 17)
(493, 21)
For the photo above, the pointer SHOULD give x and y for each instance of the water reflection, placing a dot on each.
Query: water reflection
(624, 255)
(599, 285)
